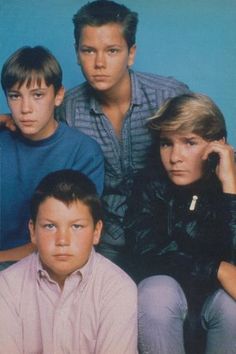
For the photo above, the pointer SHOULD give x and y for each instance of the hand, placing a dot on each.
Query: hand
(227, 277)
(7, 121)
(226, 168)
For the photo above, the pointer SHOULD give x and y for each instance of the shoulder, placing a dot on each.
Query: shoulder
(81, 139)
(112, 278)
(77, 93)
(13, 278)
(152, 182)
(161, 83)
(6, 136)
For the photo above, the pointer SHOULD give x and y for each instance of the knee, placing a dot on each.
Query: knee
(161, 297)
(220, 309)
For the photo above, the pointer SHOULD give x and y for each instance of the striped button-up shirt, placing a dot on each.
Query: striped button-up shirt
(126, 154)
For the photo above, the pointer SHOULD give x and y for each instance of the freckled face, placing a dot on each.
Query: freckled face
(104, 56)
(33, 107)
(64, 236)
(181, 155)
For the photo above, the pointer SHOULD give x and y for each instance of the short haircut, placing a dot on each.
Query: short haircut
(28, 64)
(190, 113)
(67, 186)
(102, 12)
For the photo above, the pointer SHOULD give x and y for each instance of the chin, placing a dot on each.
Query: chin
(182, 182)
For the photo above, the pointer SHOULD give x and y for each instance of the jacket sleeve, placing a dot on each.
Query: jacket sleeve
(229, 219)
(141, 227)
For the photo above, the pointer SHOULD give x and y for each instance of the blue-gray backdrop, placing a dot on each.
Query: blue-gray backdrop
(194, 41)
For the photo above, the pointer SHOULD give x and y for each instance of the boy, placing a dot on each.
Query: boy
(32, 81)
(113, 105)
(67, 298)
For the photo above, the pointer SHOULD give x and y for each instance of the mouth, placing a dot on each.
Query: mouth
(177, 172)
(62, 256)
(100, 77)
(27, 122)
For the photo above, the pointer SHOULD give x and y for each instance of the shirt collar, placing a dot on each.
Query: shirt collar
(83, 273)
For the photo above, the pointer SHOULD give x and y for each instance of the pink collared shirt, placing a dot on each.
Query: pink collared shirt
(96, 312)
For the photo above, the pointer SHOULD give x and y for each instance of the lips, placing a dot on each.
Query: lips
(177, 172)
(100, 77)
(62, 257)
(27, 122)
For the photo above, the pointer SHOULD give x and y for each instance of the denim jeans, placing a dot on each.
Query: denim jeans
(162, 312)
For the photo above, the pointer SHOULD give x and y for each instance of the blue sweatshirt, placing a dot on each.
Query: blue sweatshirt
(24, 162)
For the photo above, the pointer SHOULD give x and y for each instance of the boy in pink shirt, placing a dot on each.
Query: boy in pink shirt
(66, 298)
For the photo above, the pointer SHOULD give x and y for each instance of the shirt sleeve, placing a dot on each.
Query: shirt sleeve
(118, 322)
(10, 325)
(92, 164)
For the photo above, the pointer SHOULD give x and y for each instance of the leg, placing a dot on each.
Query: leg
(162, 310)
(219, 320)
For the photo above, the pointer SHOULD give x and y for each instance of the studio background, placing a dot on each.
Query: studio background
(194, 41)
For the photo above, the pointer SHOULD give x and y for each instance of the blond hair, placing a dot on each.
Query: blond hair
(190, 113)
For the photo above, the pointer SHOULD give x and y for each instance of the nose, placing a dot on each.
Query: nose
(62, 238)
(26, 105)
(176, 154)
(100, 61)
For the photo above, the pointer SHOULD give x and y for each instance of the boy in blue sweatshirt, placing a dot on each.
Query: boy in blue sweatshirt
(32, 81)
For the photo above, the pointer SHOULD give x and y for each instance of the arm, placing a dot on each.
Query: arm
(17, 253)
(10, 325)
(145, 227)
(118, 318)
(93, 163)
(227, 278)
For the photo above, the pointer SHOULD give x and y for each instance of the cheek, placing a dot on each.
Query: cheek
(164, 158)
(45, 245)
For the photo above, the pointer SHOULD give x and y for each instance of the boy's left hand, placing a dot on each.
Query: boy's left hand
(226, 168)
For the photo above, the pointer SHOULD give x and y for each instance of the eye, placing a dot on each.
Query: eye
(13, 96)
(49, 226)
(87, 50)
(77, 226)
(191, 142)
(164, 143)
(37, 95)
(113, 50)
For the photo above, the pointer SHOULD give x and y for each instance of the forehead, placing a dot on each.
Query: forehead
(52, 207)
(110, 32)
(32, 81)
(173, 135)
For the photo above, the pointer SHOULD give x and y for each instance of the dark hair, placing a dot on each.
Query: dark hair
(67, 186)
(101, 12)
(28, 64)
(193, 113)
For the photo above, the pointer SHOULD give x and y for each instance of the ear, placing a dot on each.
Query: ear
(132, 52)
(97, 232)
(222, 140)
(59, 96)
(32, 232)
(77, 53)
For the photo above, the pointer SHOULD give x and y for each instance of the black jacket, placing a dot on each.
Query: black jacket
(165, 237)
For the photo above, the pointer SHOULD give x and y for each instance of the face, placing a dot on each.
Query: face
(181, 155)
(64, 236)
(104, 56)
(33, 107)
